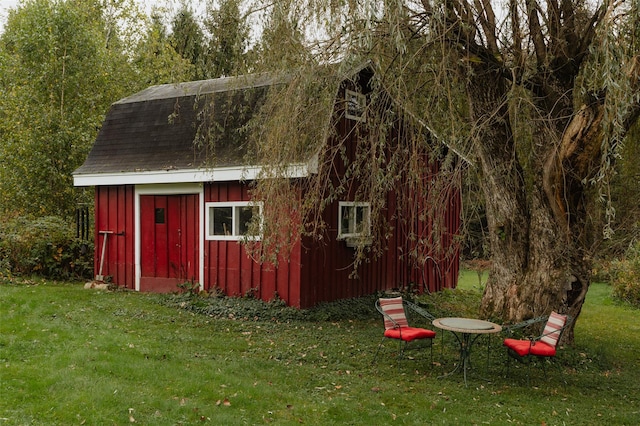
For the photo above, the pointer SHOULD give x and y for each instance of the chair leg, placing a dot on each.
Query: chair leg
(400, 354)
(402, 345)
(508, 363)
(488, 352)
(431, 348)
(375, 357)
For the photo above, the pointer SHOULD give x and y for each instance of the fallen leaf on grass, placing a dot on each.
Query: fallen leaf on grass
(224, 402)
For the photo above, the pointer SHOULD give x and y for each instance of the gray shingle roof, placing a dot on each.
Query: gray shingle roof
(179, 126)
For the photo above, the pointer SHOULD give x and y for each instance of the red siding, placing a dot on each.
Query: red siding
(228, 266)
(319, 272)
(114, 212)
(328, 273)
(327, 269)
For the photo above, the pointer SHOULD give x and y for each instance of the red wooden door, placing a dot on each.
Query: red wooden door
(169, 241)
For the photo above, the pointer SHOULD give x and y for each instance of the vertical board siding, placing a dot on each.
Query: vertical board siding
(328, 273)
(229, 268)
(327, 269)
(114, 212)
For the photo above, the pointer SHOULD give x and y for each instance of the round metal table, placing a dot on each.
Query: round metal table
(464, 329)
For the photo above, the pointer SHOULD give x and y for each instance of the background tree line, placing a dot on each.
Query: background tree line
(62, 63)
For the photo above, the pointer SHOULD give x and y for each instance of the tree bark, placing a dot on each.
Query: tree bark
(538, 224)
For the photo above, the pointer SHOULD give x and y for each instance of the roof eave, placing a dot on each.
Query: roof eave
(221, 174)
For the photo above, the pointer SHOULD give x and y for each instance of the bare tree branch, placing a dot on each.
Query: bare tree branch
(535, 31)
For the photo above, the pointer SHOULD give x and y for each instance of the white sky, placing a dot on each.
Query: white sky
(4, 5)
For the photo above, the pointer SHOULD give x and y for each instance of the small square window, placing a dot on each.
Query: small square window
(354, 220)
(356, 104)
(232, 220)
(159, 215)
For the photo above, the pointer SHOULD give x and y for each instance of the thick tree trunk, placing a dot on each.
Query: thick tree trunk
(536, 281)
(538, 227)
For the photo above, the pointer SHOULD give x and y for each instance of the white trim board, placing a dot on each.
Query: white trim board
(168, 189)
(223, 174)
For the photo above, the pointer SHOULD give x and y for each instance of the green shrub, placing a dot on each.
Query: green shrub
(626, 276)
(603, 271)
(44, 246)
(5, 267)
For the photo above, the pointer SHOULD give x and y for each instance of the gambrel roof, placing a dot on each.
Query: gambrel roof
(182, 132)
(191, 132)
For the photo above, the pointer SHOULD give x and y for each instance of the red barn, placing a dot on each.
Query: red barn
(169, 211)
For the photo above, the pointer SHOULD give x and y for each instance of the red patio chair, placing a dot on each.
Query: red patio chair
(541, 347)
(396, 326)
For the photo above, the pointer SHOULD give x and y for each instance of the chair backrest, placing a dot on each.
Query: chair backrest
(393, 310)
(553, 329)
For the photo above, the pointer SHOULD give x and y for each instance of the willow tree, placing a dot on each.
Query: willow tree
(537, 96)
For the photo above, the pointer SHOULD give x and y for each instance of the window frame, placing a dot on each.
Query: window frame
(360, 99)
(365, 234)
(235, 208)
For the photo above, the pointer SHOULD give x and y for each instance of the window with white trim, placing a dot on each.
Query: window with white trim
(354, 220)
(355, 105)
(232, 220)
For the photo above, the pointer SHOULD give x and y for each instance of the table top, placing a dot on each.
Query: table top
(467, 325)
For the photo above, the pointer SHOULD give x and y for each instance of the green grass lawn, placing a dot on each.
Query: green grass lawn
(75, 356)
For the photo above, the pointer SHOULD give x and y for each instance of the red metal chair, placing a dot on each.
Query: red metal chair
(396, 326)
(541, 347)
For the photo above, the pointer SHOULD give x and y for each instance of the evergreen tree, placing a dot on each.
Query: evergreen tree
(187, 39)
(228, 43)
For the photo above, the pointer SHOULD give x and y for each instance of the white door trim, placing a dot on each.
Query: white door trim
(168, 189)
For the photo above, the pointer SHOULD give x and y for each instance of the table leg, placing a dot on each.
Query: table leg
(466, 342)
(461, 360)
(488, 352)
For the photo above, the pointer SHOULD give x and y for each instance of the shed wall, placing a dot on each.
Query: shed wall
(327, 267)
(229, 267)
(328, 271)
(114, 207)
